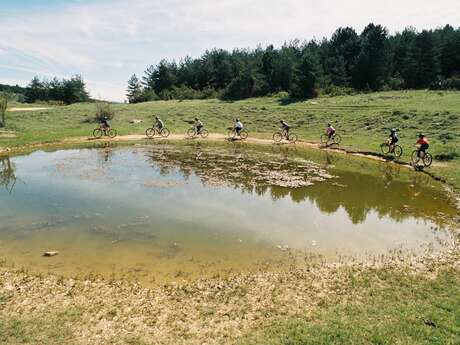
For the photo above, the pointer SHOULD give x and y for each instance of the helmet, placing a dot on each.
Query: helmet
(393, 130)
(156, 117)
(281, 121)
(421, 135)
(329, 124)
(196, 119)
(237, 119)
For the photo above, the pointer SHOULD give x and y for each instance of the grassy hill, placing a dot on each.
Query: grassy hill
(363, 120)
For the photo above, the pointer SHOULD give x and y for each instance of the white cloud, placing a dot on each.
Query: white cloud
(108, 41)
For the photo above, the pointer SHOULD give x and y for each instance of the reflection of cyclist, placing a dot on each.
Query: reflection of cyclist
(424, 145)
(330, 131)
(238, 126)
(393, 139)
(158, 123)
(285, 127)
(198, 125)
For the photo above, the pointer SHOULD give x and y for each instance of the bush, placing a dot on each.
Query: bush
(209, 92)
(147, 96)
(13, 97)
(447, 156)
(103, 110)
(185, 92)
(333, 90)
(447, 84)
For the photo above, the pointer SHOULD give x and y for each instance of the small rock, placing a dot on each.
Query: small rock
(135, 121)
(283, 248)
(50, 253)
(429, 322)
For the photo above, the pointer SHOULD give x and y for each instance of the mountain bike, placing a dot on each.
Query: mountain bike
(232, 134)
(101, 131)
(395, 149)
(425, 157)
(335, 139)
(154, 131)
(193, 132)
(282, 134)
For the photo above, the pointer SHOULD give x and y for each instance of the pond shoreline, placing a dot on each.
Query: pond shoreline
(212, 311)
(220, 137)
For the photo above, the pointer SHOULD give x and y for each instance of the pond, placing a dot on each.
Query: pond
(169, 211)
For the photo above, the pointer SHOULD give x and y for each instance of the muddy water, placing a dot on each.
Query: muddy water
(158, 212)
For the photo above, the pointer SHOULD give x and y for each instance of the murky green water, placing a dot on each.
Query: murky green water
(163, 212)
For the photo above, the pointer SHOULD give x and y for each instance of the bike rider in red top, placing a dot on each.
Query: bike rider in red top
(424, 144)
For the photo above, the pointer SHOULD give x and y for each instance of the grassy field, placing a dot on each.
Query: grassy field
(363, 120)
(403, 309)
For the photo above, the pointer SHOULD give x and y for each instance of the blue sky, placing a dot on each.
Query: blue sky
(106, 41)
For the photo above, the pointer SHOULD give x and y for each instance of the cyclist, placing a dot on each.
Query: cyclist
(238, 126)
(198, 125)
(285, 128)
(158, 123)
(104, 122)
(330, 131)
(424, 144)
(393, 139)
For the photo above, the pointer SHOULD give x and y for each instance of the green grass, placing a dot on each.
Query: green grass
(52, 328)
(381, 308)
(363, 120)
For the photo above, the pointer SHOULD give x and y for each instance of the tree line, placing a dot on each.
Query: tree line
(347, 62)
(66, 91)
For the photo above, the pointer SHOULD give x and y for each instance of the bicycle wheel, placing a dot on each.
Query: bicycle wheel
(324, 139)
(164, 132)
(231, 134)
(398, 151)
(150, 132)
(191, 133)
(385, 148)
(292, 137)
(277, 137)
(204, 133)
(414, 157)
(244, 134)
(112, 133)
(337, 139)
(427, 159)
(97, 133)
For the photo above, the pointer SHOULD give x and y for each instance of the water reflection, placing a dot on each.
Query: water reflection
(7, 173)
(281, 173)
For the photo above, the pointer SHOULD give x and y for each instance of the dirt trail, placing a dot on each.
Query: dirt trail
(222, 137)
(28, 109)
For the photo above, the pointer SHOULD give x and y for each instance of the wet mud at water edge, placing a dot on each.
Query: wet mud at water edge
(164, 212)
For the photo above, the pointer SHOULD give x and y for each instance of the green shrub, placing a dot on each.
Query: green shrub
(448, 84)
(333, 90)
(103, 110)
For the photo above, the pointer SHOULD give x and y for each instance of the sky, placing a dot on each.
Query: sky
(106, 41)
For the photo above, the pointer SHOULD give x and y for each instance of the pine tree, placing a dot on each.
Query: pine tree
(134, 91)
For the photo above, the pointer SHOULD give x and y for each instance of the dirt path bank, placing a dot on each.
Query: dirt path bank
(28, 109)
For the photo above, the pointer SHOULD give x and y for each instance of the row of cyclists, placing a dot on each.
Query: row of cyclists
(422, 142)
